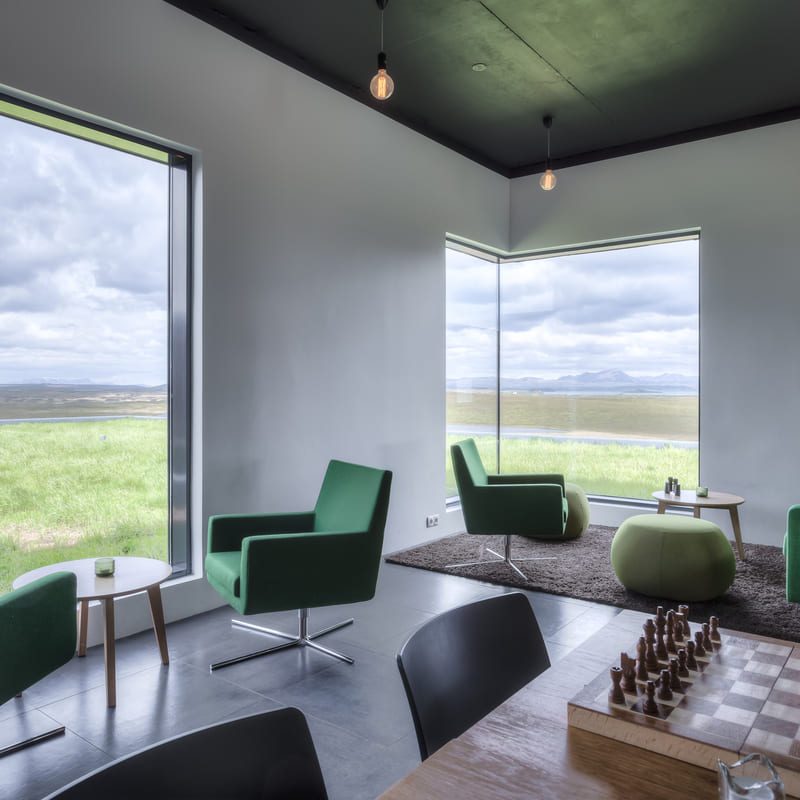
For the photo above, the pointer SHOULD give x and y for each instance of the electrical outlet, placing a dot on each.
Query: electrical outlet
(431, 521)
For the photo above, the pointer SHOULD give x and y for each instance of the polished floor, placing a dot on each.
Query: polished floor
(358, 714)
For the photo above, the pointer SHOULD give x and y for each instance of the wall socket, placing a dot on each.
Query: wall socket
(431, 521)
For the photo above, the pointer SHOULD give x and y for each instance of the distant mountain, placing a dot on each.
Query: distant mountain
(604, 381)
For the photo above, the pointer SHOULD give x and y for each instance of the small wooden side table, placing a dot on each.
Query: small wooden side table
(131, 575)
(714, 500)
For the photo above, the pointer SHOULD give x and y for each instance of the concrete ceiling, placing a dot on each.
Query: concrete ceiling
(618, 76)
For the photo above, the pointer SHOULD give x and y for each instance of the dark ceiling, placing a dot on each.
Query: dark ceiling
(618, 76)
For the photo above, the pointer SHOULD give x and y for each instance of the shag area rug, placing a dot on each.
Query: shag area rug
(756, 602)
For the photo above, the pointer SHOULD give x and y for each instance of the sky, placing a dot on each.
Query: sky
(634, 309)
(83, 261)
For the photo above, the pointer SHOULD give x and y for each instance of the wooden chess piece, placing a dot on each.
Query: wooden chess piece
(674, 678)
(615, 693)
(661, 648)
(678, 629)
(714, 630)
(664, 689)
(649, 629)
(641, 665)
(691, 661)
(649, 705)
(684, 610)
(683, 669)
(650, 657)
(628, 667)
(707, 646)
(671, 646)
(699, 650)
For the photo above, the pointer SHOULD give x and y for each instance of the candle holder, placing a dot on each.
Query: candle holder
(104, 567)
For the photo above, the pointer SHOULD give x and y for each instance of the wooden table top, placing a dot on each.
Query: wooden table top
(131, 575)
(689, 498)
(524, 748)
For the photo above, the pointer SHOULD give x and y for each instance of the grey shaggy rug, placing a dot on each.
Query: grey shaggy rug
(756, 602)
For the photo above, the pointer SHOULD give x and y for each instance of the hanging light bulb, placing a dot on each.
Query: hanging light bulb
(548, 180)
(381, 86)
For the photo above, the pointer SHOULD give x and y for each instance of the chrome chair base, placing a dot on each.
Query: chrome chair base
(506, 559)
(300, 639)
(40, 737)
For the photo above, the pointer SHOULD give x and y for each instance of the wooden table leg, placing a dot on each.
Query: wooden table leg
(662, 507)
(109, 652)
(157, 612)
(83, 617)
(737, 531)
(696, 512)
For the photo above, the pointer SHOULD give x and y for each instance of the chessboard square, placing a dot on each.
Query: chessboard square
(746, 702)
(780, 711)
(759, 667)
(786, 685)
(690, 718)
(785, 698)
(730, 731)
(738, 716)
(699, 705)
(769, 658)
(791, 673)
(765, 742)
(705, 691)
(781, 727)
(794, 662)
(751, 690)
(732, 662)
(774, 649)
(723, 671)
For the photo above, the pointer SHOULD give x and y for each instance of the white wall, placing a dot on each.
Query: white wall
(743, 192)
(323, 225)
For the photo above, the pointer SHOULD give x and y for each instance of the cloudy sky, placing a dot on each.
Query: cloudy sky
(83, 261)
(634, 310)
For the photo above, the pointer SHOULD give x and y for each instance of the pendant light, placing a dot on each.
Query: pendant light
(381, 86)
(548, 180)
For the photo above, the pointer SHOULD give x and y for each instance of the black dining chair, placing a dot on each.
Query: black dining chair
(268, 756)
(464, 663)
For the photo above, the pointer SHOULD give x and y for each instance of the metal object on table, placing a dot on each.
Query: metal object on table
(753, 777)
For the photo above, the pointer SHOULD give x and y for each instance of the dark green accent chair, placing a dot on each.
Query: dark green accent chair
(38, 630)
(534, 506)
(670, 556)
(278, 562)
(791, 551)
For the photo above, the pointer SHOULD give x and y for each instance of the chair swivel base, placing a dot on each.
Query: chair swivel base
(301, 639)
(506, 559)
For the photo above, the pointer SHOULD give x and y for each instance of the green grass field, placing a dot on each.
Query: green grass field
(81, 489)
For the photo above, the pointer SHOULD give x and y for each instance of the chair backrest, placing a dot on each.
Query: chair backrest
(464, 663)
(267, 756)
(38, 629)
(467, 466)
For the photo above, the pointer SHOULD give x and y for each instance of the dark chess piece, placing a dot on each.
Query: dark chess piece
(661, 617)
(649, 705)
(661, 648)
(628, 667)
(674, 677)
(699, 650)
(678, 629)
(649, 629)
(615, 693)
(664, 688)
(714, 630)
(671, 646)
(691, 661)
(684, 610)
(707, 646)
(641, 665)
(650, 658)
(683, 669)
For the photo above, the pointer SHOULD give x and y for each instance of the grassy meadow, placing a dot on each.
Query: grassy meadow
(81, 489)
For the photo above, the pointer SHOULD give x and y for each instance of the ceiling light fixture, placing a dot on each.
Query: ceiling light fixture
(381, 86)
(548, 180)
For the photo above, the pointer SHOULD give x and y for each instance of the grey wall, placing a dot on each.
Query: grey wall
(322, 257)
(743, 192)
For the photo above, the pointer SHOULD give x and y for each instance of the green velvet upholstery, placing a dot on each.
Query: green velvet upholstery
(328, 556)
(521, 505)
(673, 557)
(38, 630)
(791, 551)
(577, 511)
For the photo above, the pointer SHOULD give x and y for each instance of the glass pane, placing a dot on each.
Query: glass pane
(599, 367)
(471, 357)
(83, 368)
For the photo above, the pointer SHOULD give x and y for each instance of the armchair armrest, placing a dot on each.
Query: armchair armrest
(791, 550)
(227, 531)
(306, 570)
(543, 477)
(525, 509)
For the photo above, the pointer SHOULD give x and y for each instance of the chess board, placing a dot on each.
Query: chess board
(743, 698)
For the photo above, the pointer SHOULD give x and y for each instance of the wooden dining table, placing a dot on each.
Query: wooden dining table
(525, 749)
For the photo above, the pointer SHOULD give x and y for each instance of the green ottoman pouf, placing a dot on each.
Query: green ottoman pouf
(674, 557)
(577, 511)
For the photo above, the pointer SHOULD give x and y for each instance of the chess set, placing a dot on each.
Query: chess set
(700, 695)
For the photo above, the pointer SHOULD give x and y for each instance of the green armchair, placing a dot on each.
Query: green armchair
(791, 551)
(38, 629)
(524, 505)
(277, 562)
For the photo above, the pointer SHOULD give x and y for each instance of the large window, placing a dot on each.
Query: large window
(596, 370)
(94, 268)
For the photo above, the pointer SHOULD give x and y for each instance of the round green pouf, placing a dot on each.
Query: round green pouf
(578, 511)
(674, 557)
